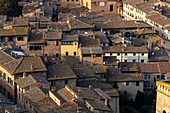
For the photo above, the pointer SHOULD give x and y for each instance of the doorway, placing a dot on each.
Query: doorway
(111, 8)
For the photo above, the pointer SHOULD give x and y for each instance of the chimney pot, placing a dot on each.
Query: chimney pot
(90, 86)
(32, 67)
(24, 75)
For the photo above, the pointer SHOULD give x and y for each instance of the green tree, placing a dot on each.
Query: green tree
(140, 99)
(10, 8)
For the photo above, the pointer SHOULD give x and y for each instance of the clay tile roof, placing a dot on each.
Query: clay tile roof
(34, 94)
(46, 105)
(14, 32)
(20, 21)
(128, 49)
(70, 38)
(77, 24)
(115, 75)
(101, 36)
(159, 19)
(84, 72)
(36, 37)
(4, 57)
(155, 67)
(89, 42)
(153, 39)
(164, 67)
(58, 71)
(91, 50)
(148, 68)
(86, 93)
(66, 94)
(121, 24)
(24, 65)
(129, 66)
(63, 26)
(53, 35)
(98, 106)
(145, 31)
(102, 94)
(25, 81)
(98, 69)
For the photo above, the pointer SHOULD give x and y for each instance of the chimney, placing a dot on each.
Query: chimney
(16, 55)
(90, 87)
(107, 102)
(11, 53)
(24, 75)
(32, 67)
(101, 29)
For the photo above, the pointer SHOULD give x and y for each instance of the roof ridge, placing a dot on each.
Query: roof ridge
(18, 64)
(8, 54)
(32, 78)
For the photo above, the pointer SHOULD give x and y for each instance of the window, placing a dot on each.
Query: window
(46, 55)
(125, 54)
(134, 60)
(118, 54)
(4, 77)
(157, 76)
(154, 79)
(57, 55)
(45, 43)
(86, 55)
(66, 81)
(77, 0)
(67, 0)
(137, 83)
(101, 3)
(56, 43)
(20, 38)
(127, 83)
(162, 77)
(142, 61)
(134, 54)
(142, 54)
(75, 43)
(66, 53)
(110, 54)
(98, 55)
(74, 53)
(125, 60)
(148, 76)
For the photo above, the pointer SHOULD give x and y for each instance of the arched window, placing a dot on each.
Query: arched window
(164, 111)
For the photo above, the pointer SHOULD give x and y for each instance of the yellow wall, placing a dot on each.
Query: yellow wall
(7, 75)
(70, 49)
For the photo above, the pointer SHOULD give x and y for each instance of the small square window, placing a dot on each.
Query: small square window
(66, 53)
(137, 83)
(134, 54)
(157, 76)
(74, 53)
(110, 54)
(127, 83)
(134, 60)
(118, 54)
(142, 61)
(142, 54)
(125, 54)
(66, 81)
(125, 60)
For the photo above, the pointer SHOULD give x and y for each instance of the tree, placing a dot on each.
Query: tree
(10, 8)
(140, 99)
